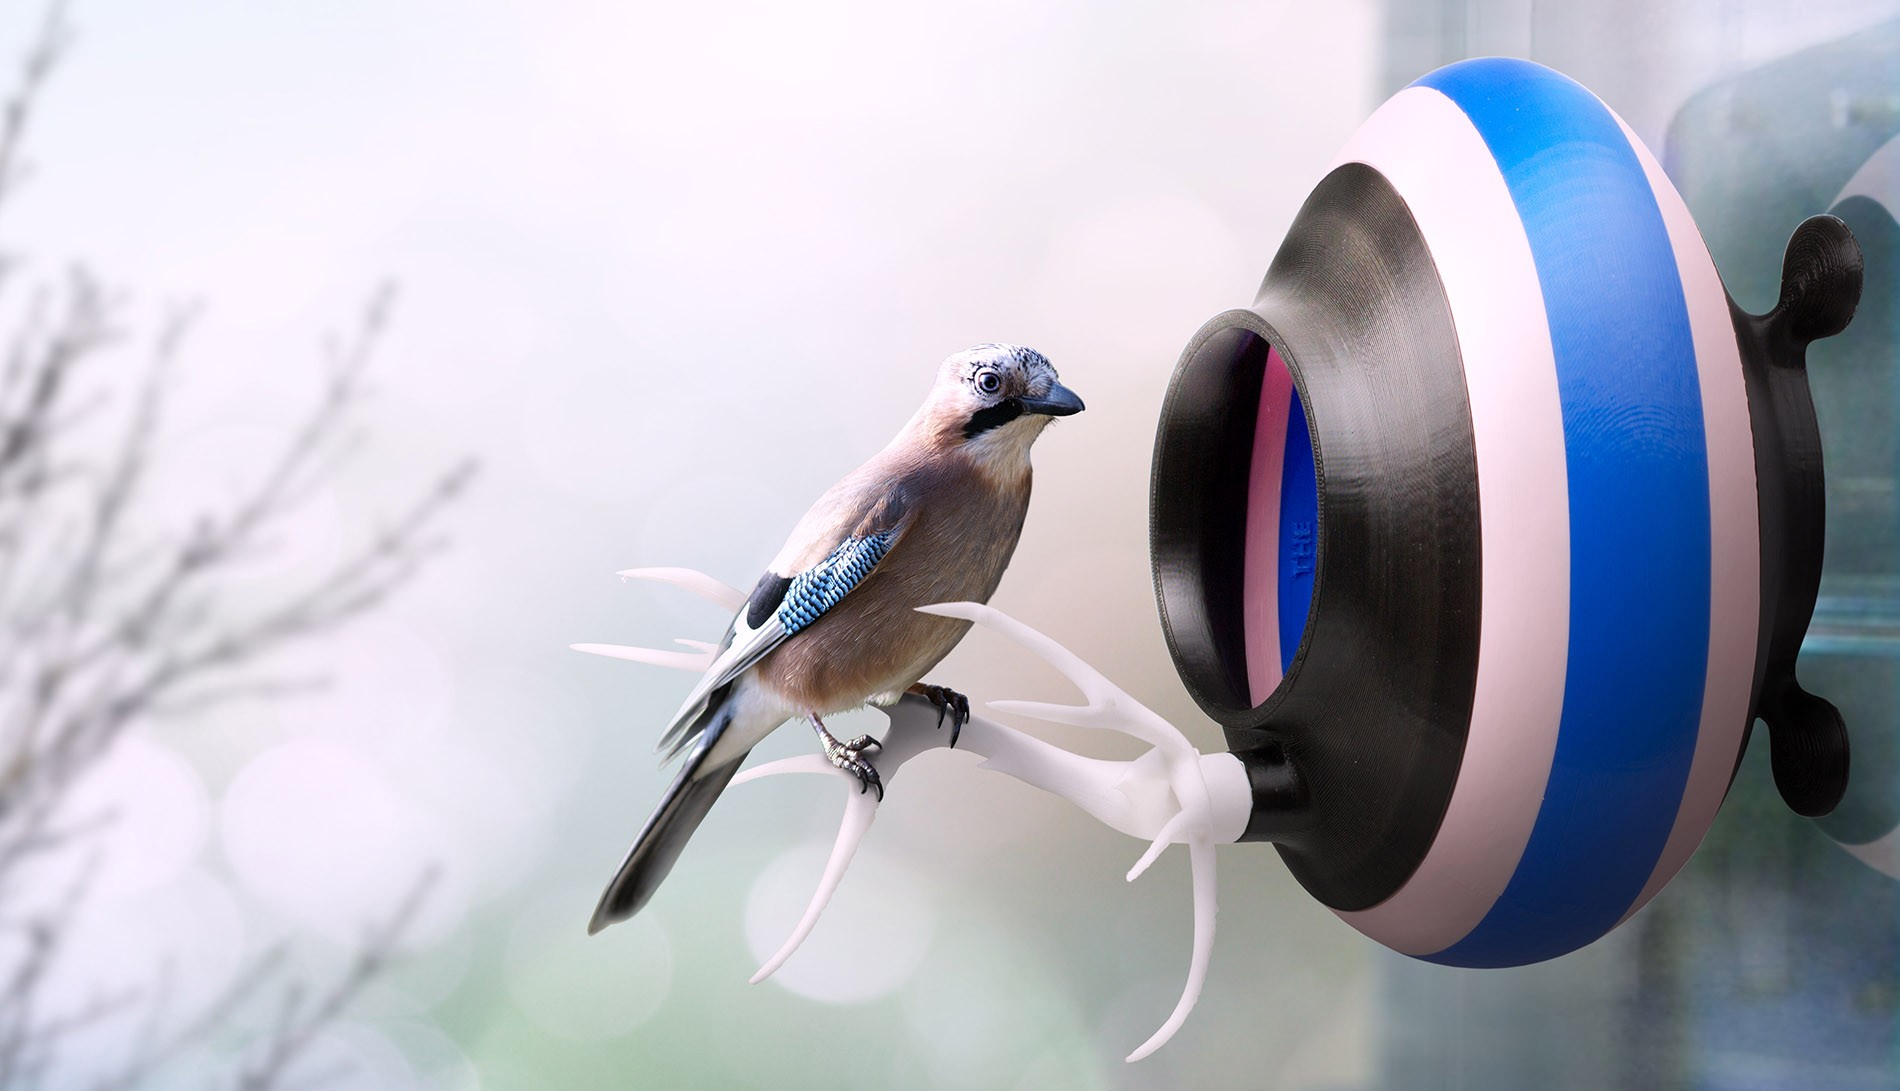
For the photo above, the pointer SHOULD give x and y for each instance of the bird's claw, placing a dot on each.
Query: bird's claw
(850, 758)
(949, 704)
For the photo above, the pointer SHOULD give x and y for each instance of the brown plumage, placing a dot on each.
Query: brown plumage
(874, 644)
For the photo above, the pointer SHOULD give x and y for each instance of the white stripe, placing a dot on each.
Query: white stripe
(1426, 147)
(1734, 532)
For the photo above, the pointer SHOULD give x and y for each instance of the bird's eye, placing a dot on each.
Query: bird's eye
(988, 382)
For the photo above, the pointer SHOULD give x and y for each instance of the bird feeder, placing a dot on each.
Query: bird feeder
(1491, 526)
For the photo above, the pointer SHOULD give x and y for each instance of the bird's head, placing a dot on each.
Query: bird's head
(992, 401)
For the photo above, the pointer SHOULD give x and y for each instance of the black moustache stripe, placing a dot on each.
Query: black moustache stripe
(994, 416)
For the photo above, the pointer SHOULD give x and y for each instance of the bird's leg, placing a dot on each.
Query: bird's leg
(849, 756)
(949, 703)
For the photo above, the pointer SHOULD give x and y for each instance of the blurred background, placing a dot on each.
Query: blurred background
(665, 272)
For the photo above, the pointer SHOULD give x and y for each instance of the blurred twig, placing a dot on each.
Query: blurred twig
(42, 56)
(107, 620)
(300, 1018)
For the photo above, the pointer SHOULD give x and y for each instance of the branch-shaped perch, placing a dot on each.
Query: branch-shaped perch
(1172, 794)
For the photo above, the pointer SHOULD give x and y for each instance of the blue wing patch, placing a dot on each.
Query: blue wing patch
(819, 587)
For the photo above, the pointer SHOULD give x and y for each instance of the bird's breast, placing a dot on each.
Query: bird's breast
(874, 641)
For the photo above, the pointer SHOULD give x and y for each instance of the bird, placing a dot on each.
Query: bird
(832, 625)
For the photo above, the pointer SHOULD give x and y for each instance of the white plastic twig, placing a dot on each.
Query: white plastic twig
(690, 579)
(1192, 821)
(860, 807)
(700, 659)
(1172, 794)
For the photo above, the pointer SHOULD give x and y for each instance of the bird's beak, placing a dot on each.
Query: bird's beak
(1060, 401)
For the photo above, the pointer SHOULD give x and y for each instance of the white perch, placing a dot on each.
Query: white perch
(1172, 794)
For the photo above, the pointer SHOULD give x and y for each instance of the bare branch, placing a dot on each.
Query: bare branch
(26, 1037)
(154, 1052)
(107, 621)
(43, 55)
(298, 1024)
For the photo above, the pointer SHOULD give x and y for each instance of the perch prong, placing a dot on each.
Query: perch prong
(698, 660)
(690, 579)
(859, 809)
(1165, 796)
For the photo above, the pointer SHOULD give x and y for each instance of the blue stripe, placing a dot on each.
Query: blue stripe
(1639, 509)
(1299, 532)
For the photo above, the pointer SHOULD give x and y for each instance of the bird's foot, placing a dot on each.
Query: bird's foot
(949, 704)
(850, 756)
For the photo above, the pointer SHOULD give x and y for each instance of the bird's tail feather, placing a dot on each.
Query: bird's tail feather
(672, 823)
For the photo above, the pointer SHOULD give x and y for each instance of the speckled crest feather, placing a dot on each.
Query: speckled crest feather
(1010, 357)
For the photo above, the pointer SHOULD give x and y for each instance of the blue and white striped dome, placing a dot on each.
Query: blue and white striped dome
(1616, 486)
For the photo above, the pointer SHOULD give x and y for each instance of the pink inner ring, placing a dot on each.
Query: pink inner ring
(1261, 592)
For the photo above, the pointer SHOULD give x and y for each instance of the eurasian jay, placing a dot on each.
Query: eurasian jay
(832, 624)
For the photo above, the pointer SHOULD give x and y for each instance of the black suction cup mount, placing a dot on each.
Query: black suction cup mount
(1820, 287)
